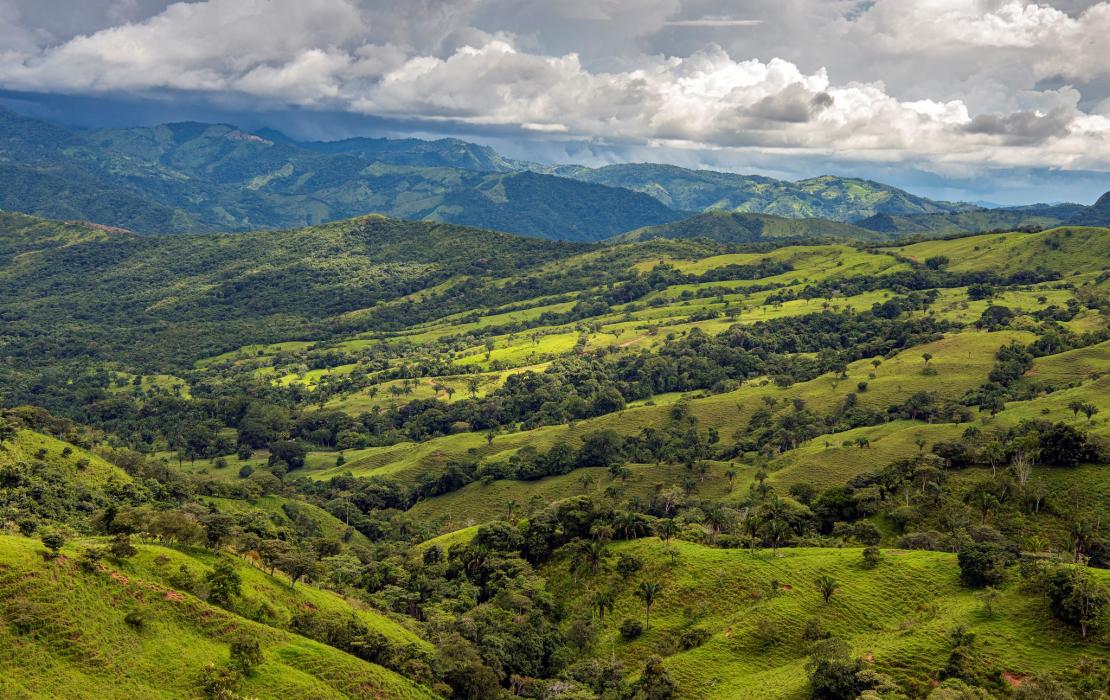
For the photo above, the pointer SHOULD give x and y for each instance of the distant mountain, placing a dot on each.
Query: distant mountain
(441, 153)
(1010, 218)
(196, 177)
(1098, 214)
(733, 227)
(193, 177)
(829, 197)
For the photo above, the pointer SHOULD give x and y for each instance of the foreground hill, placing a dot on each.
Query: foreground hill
(734, 227)
(120, 629)
(775, 467)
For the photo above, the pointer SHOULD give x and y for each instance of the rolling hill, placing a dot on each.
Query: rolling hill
(741, 228)
(828, 197)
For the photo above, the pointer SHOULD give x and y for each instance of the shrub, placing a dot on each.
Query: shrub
(628, 564)
(631, 629)
(813, 631)
(246, 653)
(872, 557)
(54, 541)
(223, 583)
(136, 619)
(767, 631)
(693, 637)
(983, 564)
(121, 547)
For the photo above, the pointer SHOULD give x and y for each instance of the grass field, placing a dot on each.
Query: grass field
(896, 616)
(65, 633)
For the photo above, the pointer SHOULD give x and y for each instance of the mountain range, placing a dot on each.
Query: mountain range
(195, 177)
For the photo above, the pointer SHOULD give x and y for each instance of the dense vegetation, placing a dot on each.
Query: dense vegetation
(396, 459)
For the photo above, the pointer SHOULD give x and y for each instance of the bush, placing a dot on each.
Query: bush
(813, 631)
(54, 541)
(246, 653)
(983, 564)
(872, 557)
(136, 619)
(121, 547)
(628, 564)
(693, 638)
(767, 631)
(631, 629)
(245, 470)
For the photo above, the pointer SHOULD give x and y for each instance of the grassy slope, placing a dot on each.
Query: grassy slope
(898, 615)
(81, 644)
(1069, 249)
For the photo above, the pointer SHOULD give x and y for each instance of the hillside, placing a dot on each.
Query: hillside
(193, 177)
(737, 228)
(946, 224)
(447, 460)
(1098, 214)
(89, 643)
(827, 197)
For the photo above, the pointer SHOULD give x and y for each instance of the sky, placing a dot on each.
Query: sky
(996, 100)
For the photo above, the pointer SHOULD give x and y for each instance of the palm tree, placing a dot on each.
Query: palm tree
(1089, 410)
(586, 480)
(730, 474)
(591, 555)
(826, 586)
(926, 356)
(666, 529)
(648, 592)
(603, 602)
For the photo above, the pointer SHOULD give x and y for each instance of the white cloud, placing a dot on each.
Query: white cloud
(425, 60)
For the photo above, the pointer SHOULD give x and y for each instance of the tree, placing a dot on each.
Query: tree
(989, 596)
(1075, 597)
(603, 603)
(54, 541)
(654, 683)
(8, 430)
(291, 452)
(297, 564)
(648, 593)
(591, 555)
(223, 582)
(730, 474)
(926, 356)
(826, 586)
(1089, 410)
(983, 564)
(666, 529)
(833, 673)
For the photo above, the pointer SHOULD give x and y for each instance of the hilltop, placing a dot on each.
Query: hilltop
(738, 228)
(829, 197)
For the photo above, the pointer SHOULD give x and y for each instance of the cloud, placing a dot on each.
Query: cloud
(485, 64)
(714, 21)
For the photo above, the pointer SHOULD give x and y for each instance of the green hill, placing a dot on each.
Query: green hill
(946, 224)
(65, 634)
(734, 227)
(828, 197)
(1098, 214)
(193, 177)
